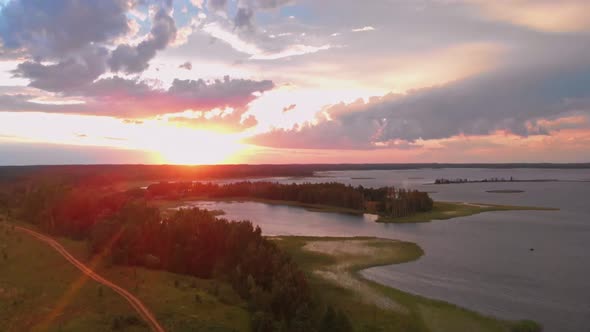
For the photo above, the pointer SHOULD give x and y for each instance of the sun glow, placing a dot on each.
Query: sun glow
(168, 142)
(176, 144)
(199, 147)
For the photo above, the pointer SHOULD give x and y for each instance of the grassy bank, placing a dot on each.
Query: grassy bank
(332, 265)
(40, 290)
(449, 210)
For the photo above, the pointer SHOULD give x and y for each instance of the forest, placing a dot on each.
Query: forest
(127, 227)
(386, 201)
(130, 231)
(459, 180)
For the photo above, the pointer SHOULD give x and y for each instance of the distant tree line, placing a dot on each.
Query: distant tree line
(459, 180)
(108, 174)
(387, 201)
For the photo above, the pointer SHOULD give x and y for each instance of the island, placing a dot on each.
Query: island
(488, 180)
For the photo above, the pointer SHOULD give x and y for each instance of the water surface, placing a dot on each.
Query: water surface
(483, 262)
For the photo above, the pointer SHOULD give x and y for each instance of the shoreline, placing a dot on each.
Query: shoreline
(339, 261)
(442, 210)
(449, 210)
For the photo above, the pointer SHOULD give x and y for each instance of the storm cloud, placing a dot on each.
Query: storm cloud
(217, 5)
(132, 98)
(52, 29)
(72, 72)
(67, 42)
(135, 59)
(511, 100)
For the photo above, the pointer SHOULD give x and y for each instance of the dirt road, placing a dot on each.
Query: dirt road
(135, 302)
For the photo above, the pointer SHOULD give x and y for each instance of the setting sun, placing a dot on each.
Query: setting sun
(197, 147)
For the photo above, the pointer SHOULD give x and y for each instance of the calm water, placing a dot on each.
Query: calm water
(482, 262)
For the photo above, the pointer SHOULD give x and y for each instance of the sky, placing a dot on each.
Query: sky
(294, 81)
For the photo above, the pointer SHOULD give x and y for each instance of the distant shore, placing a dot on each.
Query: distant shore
(493, 180)
(449, 210)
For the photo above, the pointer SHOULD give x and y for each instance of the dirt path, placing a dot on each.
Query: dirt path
(135, 302)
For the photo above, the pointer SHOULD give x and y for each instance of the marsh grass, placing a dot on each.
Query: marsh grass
(418, 314)
(449, 210)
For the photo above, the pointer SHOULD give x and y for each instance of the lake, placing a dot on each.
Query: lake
(482, 262)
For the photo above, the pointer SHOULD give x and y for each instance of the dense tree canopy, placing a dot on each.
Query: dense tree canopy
(193, 241)
(385, 200)
(126, 226)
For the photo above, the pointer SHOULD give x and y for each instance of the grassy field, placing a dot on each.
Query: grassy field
(332, 265)
(449, 210)
(41, 291)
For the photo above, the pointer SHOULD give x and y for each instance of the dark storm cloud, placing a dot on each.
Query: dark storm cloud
(135, 99)
(270, 4)
(67, 55)
(135, 59)
(129, 98)
(243, 18)
(55, 28)
(510, 100)
(228, 92)
(66, 41)
(187, 65)
(72, 72)
(192, 93)
(217, 5)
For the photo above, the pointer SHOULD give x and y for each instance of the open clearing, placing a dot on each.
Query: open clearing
(41, 291)
(139, 307)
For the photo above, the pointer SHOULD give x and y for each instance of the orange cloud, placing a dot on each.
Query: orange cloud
(543, 15)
